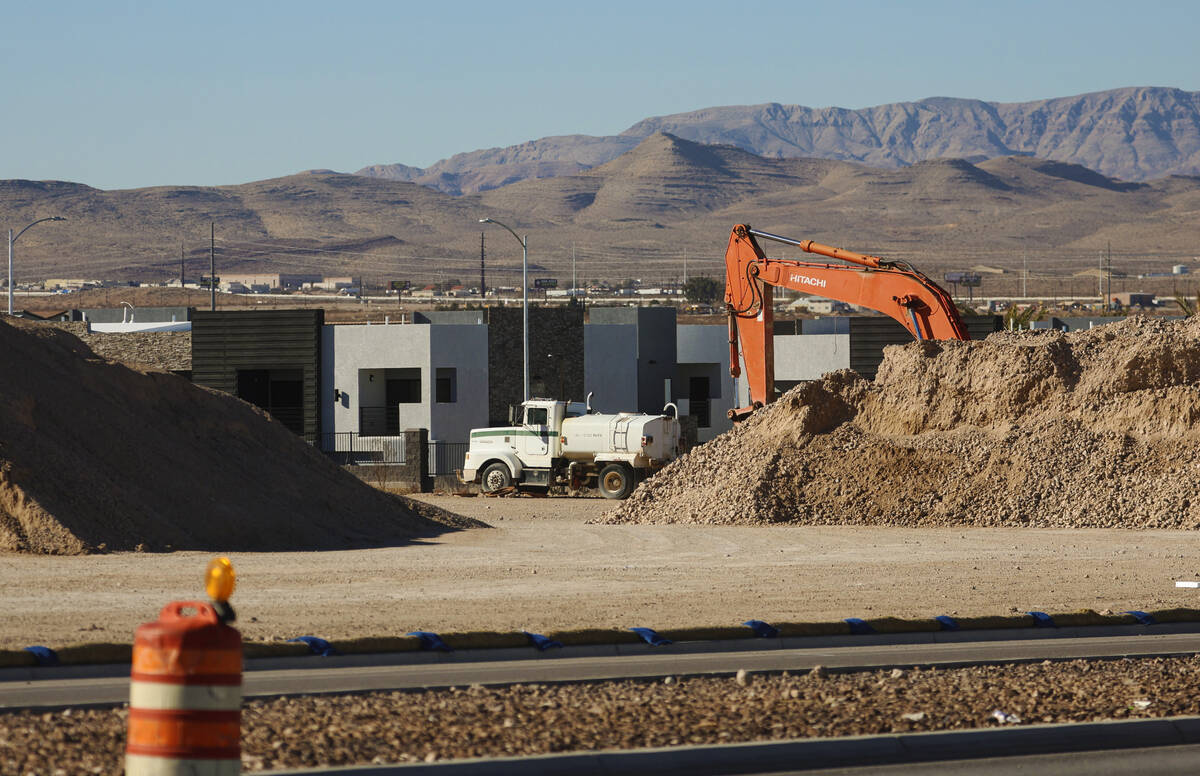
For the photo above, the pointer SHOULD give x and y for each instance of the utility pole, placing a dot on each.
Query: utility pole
(1108, 254)
(1100, 280)
(212, 265)
(181, 265)
(1024, 273)
(482, 281)
(685, 265)
(574, 276)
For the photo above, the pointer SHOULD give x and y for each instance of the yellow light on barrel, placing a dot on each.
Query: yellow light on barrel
(220, 579)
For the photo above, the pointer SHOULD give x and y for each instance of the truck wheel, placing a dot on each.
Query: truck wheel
(616, 481)
(496, 477)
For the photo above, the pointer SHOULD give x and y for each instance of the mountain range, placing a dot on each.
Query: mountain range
(666, 202)
(1131, 134)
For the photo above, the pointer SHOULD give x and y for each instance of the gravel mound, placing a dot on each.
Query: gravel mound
(170, 351)
(96, 455)
(1090, 429)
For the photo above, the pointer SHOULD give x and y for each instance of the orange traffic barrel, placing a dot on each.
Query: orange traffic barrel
(185, 694)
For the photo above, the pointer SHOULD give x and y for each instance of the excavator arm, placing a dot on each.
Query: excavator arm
(893, 288)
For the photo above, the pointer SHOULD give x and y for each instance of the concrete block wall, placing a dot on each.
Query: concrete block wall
(555, 356)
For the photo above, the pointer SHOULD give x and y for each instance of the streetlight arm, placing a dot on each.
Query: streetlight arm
(11, 240)
(510, 231)
(40, 220)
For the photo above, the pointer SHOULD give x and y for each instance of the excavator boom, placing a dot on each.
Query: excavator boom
(893, 288)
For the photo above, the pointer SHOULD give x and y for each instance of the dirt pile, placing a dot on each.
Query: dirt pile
(97, 456)
(1089, 429)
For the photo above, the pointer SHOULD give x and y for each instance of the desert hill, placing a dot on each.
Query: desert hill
(634, 216)
(663, 179)
(136, 233)
(1134, 134)
(491, 168)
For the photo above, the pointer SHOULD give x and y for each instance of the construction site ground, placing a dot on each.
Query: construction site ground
(543, 566)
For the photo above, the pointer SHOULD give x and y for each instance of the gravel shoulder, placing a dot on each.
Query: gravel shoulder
(543, 567)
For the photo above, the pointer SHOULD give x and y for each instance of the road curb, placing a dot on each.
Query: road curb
(612, 638)
(812, 754)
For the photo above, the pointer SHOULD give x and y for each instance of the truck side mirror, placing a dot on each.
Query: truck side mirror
(512, 415)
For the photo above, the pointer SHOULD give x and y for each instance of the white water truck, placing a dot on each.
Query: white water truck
(568, 444)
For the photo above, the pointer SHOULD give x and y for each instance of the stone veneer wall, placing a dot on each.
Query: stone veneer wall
(555, 356)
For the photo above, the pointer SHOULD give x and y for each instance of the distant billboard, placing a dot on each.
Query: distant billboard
(399, 285)
(969, 279)
(545, 282)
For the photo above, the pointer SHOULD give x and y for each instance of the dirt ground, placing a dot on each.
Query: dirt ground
(542, 567)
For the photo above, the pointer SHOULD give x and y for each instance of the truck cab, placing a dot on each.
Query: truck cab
(530, 444)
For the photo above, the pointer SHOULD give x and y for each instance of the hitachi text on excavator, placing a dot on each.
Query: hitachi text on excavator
(894, 288)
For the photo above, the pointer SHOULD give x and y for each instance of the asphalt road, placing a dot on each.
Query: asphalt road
(1120, 749)
(1143, 761)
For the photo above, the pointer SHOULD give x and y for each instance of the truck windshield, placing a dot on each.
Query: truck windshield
(535, 416)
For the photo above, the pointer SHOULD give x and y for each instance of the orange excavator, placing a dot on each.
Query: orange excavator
(893, 288)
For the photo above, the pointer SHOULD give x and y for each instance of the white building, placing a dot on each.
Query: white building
(705, 388)
(800, 357)
(818, 305)
(636, 359)
(378, 381)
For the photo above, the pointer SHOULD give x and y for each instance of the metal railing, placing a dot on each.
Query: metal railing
(350, 448)
(445, 457)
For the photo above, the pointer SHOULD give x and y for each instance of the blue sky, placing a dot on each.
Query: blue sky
(129, 94)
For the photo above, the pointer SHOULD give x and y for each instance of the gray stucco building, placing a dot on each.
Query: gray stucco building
(381, 380)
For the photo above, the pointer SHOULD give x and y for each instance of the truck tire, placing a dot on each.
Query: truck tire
(495, 477)
(616, 481)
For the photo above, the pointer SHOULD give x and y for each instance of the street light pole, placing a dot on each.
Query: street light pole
(11, 240)
(524, 299)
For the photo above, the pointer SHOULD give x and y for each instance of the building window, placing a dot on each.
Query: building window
(278, 391)
(403, 386)
(446, 385)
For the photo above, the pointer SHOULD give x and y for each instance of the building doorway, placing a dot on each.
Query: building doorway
(699, 404)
